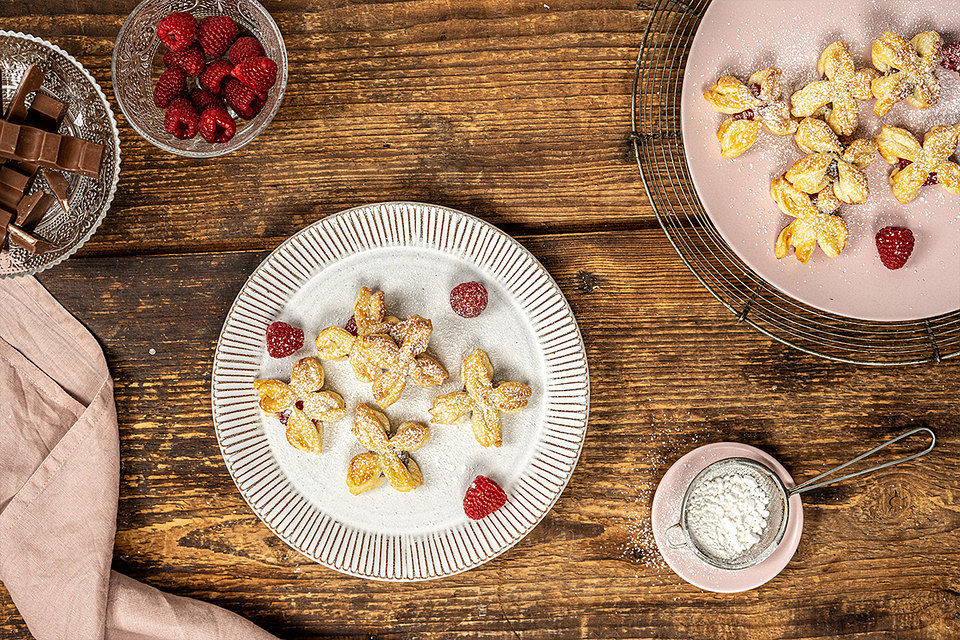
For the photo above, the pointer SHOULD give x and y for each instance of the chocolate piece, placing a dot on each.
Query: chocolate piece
(45, 112)
(12, 185)
(31, 208)
(30, 82)
(9, 134)
(55, 151)
(5, 218)
(27, 240)
(59, 186)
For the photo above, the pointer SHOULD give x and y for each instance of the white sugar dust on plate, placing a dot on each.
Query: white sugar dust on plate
(416, 254)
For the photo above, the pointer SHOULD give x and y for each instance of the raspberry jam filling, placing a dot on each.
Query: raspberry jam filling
(902, 164)
(749, 114)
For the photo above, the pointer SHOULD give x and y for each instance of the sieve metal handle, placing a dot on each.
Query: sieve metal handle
(671, 543)
(813, 484)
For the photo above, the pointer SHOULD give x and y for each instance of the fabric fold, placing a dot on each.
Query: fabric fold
(59, 483)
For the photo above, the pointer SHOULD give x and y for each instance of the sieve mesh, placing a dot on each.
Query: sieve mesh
(776, 522)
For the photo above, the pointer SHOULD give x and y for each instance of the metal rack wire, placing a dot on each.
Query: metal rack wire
(655, 120)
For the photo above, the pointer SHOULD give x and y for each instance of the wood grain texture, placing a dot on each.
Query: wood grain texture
(670, 370)
(518, 112)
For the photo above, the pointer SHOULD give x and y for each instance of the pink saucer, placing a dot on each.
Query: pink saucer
(742, 37)
(666, 512)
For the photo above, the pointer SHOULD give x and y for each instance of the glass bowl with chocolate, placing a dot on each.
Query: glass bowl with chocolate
(59, 155)
(199, 78)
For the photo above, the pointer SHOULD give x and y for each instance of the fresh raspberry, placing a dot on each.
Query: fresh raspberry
(216, 34)
(216, 125)
(242, 99)
(258, 73)
(213, 77)
(352, 326)
(181, 119)
(483, 497)
(468, 299)
(172, 84)
(203, 100)
(177, 30)
(190, 59)
(951, 57)
(245, 47)
(282, 339)
(895, 244)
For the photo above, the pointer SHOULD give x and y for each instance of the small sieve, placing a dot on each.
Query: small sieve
(779, 500)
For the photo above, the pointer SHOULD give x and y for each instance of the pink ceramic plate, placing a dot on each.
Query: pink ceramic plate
(741, 37)
(666, 512)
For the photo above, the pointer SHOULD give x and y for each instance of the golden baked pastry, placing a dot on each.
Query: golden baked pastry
(388, 455)
(835, 95)
(385, 350)
(830, 165)
(482, 399)
(758, 103)
(814, 224)
(916, 164)
(394, 360)
(907, 67)
(309, 406)
(336, 343)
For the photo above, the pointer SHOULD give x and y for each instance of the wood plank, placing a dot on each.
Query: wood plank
(670, 370)
(518, 112)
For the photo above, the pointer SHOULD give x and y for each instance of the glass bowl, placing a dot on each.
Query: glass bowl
(137, 64)
(89, 117)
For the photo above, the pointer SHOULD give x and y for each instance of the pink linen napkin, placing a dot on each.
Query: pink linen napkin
(59, 480)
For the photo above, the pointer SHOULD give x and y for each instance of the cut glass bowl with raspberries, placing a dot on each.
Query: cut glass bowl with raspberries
(200, 78)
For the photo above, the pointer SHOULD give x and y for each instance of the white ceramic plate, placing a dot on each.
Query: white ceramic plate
(416, 254)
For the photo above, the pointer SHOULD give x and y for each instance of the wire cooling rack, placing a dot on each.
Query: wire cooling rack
(655, 119)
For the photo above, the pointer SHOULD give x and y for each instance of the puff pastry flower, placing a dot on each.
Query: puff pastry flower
(814, 223)
(836, 94)
(388, 454)
(829, 164)
(308, 406)
(336, 343)
(482, 399)
(918, 165)
(758, 103)
(907, 67)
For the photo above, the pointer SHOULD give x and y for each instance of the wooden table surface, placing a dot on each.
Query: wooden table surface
(516, 111)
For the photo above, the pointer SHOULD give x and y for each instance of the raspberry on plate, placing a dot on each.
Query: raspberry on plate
(483, 497)
(177, 30)
(216, 34)
(894, 244)
(243, 48)
(216, 125)
(190, 59)
(214, 76)
(468, 299)
(283, 339)
(242, 99)
(181, 119)
(203, 100)
(172, 84)
(951, 57)
(258, 73)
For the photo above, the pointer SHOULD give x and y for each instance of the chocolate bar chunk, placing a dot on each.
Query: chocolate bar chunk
(5, 218)
(31, 208)
(27, 240)
(12, 185)
(45, 112)
(59, 186)
(9, 134)
(30, 82)
(52, 150)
